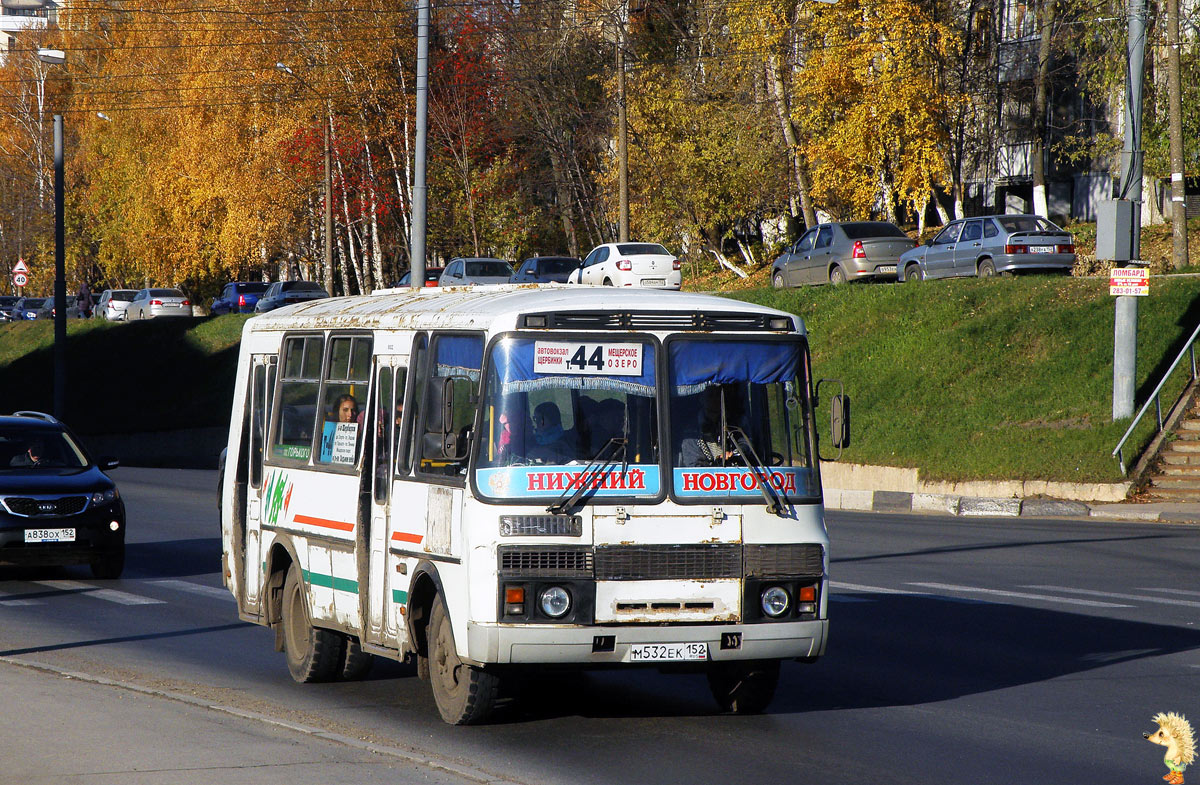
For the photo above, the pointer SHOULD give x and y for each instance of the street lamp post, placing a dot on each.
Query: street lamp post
(58, 57)
(325, 122)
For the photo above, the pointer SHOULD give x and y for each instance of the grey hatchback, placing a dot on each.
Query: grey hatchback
(840, 252)
(989, 245)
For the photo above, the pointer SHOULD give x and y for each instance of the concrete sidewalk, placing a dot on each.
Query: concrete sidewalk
(889, 489)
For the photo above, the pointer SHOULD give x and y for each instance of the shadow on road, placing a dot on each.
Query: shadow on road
(173, 558)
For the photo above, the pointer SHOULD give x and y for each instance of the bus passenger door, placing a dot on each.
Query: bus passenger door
(262, 387)
(382, 580)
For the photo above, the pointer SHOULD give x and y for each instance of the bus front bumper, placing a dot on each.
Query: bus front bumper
(503, 644)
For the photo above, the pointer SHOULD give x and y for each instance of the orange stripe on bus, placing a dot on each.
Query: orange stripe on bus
(324, 523)
(406, 537)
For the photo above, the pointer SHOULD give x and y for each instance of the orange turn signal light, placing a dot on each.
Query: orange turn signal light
(807, 594)
(514, 594)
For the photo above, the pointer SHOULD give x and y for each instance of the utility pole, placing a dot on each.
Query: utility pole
(417, 249)
(326, 124)
(1125, 321)
(1041, 101)
(60, 281)
(1179, 245)
(622, 136)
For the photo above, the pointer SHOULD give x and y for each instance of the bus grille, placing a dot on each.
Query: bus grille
(33, 508)
(784, 560)
(668, 562)
(549, 562)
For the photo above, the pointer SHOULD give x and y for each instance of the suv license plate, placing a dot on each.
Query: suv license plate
(667, 652)
(49, 535)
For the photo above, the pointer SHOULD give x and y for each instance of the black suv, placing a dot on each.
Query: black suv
(56, 504)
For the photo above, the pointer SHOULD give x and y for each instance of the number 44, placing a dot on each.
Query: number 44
(581, 361)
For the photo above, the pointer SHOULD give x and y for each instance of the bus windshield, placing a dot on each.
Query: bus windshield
(739, 417)
(552, 406)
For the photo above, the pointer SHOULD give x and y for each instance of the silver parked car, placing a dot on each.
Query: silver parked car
(283, 293)
(989, 245)
(153, 303)
(840, 252)
(113, 303)
(475, 270)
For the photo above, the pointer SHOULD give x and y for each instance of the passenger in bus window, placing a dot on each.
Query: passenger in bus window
(552, 444)
(345, 409)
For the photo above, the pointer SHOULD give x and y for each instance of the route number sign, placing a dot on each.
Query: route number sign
(586, 359)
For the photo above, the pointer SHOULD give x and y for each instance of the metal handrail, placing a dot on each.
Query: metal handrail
(1155, 397)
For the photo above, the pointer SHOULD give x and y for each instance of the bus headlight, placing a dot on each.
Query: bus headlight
(775, 601)
(555, 602)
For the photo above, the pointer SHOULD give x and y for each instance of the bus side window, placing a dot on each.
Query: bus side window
(382, 418)
(419, 357)
(344, 397)
(451, 398)
(398, 416)
(300, 387)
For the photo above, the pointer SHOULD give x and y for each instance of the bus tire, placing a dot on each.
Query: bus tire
(464, 694)
(312, 654)
(356, 663)
(744, 687)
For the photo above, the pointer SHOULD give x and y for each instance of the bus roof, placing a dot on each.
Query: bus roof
(502, 307)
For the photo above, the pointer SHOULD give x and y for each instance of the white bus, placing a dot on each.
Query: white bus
(501, 479)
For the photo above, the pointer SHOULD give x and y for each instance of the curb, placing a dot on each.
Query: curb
(991, 507)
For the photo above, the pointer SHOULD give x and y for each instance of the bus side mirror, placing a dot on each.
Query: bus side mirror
(839, 420)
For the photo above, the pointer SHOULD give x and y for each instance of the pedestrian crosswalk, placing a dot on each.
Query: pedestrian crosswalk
(20, 595)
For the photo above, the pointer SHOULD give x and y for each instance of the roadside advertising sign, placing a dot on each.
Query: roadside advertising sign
(1129, 281)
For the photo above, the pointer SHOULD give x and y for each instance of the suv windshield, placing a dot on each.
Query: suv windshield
(552, 405)
(739, 413)
(489, 269)
(38, 448)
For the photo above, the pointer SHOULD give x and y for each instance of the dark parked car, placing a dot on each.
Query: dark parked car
(840, 252)
(546, 269)
(991, 244)
(238, 297)
(57, 505)
(33, 308)
(432, 274)
(6, 305)
(283, 293)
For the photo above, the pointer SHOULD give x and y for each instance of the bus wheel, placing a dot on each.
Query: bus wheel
(312, 654)
(356, 663)
(464, 694)
(744, 687)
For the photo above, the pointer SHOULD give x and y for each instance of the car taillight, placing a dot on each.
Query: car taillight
(1066, 248)
(676, 264)
(241, 300)
(1016, 249)
(859, 253)
(625, 265)
(186, 302)
(156, 302)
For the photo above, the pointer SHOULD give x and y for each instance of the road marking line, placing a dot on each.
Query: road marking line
(1119, 596)
(110, 595)
(872, 589)
(20, 602)
(1019, 595)
(1170, 591)
(196, 588)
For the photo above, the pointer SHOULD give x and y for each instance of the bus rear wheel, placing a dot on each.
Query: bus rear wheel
(464, 694)
(744, 687)
(355, 663)
(312, 654)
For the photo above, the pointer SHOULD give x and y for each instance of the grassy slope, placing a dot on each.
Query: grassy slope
(965, 379)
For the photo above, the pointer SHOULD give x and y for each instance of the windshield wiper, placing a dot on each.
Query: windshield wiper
(571, 495)
(742, 442)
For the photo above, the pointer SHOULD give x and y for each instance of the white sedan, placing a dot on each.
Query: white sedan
(153, 303)
(630, 264)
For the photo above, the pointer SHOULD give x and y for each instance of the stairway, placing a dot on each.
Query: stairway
(1176, 476)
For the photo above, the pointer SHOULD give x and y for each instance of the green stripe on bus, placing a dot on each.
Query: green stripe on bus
(331, 582)
(399, 596)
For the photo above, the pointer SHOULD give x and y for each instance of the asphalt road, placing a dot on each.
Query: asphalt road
(961, 650)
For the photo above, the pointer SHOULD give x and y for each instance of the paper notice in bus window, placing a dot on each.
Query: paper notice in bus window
(607, 359)
(337, 442)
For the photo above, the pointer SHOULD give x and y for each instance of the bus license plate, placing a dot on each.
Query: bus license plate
(49, 535)
(667, 652)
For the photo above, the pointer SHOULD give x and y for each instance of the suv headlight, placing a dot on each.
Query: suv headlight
(104, 497)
